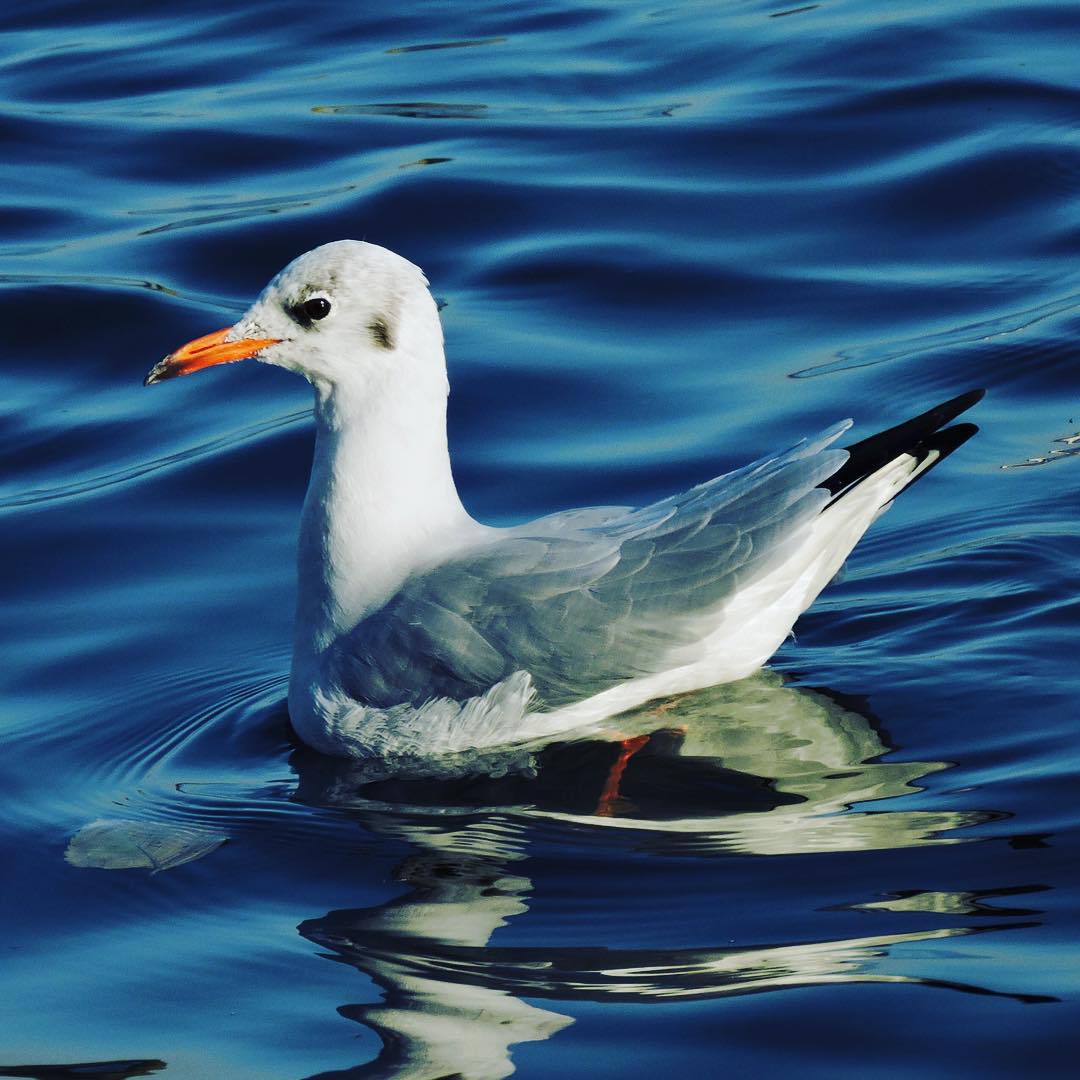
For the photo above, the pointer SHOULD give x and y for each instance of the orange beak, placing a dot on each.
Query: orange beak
(205, 351)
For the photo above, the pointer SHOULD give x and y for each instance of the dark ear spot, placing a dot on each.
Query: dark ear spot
(379, 329)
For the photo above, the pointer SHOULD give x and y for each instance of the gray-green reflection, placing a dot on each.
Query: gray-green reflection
(812, 747)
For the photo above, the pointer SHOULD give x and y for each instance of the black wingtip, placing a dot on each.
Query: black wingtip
(917, 436)
(942, 442)
(951, 438)
(953, 407)
(922, 425)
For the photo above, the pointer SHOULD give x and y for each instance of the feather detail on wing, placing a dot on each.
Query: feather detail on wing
(585, 599)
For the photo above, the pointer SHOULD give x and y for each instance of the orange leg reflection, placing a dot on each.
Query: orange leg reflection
(610, 797)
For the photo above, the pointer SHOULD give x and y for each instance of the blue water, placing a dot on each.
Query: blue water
(668, 239)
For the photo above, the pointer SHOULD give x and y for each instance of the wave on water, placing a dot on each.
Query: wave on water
(653, 230)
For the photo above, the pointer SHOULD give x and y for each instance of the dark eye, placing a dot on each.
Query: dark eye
(318, 307)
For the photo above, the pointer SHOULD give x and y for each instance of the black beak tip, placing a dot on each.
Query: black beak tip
(157, 373)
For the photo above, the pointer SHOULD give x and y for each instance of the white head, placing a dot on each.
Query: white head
(345, 315)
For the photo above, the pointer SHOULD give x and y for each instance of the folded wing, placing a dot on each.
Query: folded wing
(586, 599)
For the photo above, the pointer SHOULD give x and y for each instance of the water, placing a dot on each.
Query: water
(668, 240)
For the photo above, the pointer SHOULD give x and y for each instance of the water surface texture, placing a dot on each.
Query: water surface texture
(667, 240)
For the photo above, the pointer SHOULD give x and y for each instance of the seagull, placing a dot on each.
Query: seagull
(421, 632)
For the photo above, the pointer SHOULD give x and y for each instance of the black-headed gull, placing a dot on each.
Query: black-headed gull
(420, 631)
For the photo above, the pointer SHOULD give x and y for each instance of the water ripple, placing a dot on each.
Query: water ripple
(969, 334)
(94, 484)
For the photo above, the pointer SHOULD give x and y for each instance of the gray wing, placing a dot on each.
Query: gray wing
(585, 599)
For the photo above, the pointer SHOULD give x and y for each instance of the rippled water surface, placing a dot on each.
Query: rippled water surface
(667, 239)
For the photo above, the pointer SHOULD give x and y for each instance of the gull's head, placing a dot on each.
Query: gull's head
(347, 313)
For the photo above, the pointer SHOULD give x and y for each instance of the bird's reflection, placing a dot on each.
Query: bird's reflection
(444, 1011)
(752, 768)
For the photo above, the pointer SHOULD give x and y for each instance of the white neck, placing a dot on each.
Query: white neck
(381, 502)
